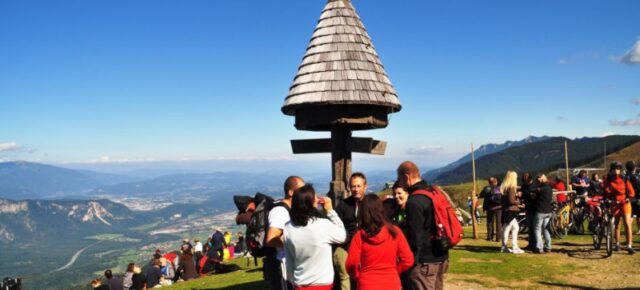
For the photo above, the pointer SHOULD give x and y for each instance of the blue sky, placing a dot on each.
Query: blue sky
(116, 81)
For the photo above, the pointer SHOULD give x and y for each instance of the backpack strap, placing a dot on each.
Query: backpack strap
(282, 204)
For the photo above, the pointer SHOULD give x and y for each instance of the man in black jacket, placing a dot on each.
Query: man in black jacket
(348, 212)
(432, 262)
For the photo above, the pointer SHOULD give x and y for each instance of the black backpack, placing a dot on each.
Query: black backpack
(258, 225)
(11, 284)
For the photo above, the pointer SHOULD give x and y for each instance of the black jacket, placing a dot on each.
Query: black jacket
(347, 212)
(544, 197)
(528, 196)
(421, 226)
(217, 241)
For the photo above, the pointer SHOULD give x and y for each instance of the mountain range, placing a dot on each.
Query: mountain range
(541, 154)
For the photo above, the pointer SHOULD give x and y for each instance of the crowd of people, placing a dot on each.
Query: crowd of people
(502, 203)
(369, 242)
(189, 262)
(365, 242)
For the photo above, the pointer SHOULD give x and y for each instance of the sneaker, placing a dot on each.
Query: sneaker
(616, 247)
(539, 252)
(518, 251)
(631, 251)
(547, 250)
(505, 250)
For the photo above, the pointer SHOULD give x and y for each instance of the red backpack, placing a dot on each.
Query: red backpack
(449, 231)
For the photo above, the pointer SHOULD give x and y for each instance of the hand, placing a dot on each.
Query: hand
(327, 205)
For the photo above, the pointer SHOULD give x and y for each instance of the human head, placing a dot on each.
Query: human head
(408, 174)
(526, 178)
(358, 185)
(542, 178)
(96, 282)
(400, 195)
(291, 184)
(163, 261)
(156, 262)
(108, 274)
(303, 205)
(582, 173)
(510, 181)
(130, 267)
(630, 166)
(558, 179)
(137, 270)
(615, 168)
(372, 217)
(493, 182)
(595, 177)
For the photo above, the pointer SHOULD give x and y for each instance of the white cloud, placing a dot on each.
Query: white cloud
(632, 56)
(10, 146)
(107, 159)
(624, 123)
(605, 134)
(636, 101)
(561, 118)
(425, 150)
(562, 61)
(579, 57)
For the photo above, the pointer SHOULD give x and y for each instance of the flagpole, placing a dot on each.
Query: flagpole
(474, 198)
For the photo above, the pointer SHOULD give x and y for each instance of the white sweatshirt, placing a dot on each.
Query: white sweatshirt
(308, 249)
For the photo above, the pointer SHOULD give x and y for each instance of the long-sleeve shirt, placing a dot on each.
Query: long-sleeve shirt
(376, 261)
(308, 249)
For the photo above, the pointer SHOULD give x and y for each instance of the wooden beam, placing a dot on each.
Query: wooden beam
(311, 146)
(367, 145)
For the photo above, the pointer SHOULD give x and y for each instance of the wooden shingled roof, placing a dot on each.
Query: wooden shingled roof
(341, 66)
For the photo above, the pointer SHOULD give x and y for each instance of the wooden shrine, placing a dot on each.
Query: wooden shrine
(341, 86)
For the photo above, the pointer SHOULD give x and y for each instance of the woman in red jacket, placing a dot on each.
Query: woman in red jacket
(379, 251)
(620, 190)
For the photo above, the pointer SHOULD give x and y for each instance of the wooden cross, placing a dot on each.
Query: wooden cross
(341, 145)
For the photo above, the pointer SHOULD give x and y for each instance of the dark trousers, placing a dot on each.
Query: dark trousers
(273, 274)
(531, 216)
(429, 276)
(494, 225)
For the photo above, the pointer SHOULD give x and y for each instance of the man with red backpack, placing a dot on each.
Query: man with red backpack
(429, 235)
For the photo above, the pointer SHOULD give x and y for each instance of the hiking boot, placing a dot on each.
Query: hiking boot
(505, 250)
(631, 251)
(547, 250)
(616, 247)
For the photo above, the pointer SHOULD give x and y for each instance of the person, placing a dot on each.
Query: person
(510, 210)
(559, 185)
(528, 198)
(470, 207)
(620, 190)
(197, 252)
(137, 280)
(167, 270)
(634, 180)
(581, 183)
(308, 239)
(218, 242)
(153, 274)
(595, 185)
(492, 204)
(186, 266)
(127, 279)
(431, 261)
(348, 211)
(275, 263)
(395, 207)
(544, 209)
(114, 282)
(96, 284)
(379, 251)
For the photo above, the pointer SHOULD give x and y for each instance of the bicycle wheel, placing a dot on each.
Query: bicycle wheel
(578, 217)
(609, 232)
(596, 234)
(553, 225)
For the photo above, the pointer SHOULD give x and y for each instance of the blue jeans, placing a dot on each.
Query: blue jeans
(542, 224)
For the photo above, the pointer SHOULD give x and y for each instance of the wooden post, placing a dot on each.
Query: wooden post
(474, 198)
(566, 158)
(341, 162)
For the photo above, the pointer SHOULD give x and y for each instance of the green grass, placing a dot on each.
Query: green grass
(247, 278)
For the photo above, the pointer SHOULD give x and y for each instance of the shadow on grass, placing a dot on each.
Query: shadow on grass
(569, 244)
(254, 270)
(479, 249)
(572, 286)
(257, 285)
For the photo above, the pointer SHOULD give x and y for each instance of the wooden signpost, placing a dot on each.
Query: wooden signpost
(341, 86)
(474, 195)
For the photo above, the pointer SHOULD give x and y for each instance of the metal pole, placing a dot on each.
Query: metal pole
(474, 198)
(566, 158)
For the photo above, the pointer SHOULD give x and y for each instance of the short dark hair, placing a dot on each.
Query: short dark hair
(396, 185)
(302, 209)
(359, 175)
(630, 166)
(130, 267)
(290, 183)
(108, 274)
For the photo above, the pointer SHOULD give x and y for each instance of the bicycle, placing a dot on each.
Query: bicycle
(561, 220)
(578, 213)
(603, 224)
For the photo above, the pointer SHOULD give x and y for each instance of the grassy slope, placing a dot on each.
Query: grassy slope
(477, 264)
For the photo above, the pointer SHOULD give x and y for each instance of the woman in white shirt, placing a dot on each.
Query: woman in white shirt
(308, 238)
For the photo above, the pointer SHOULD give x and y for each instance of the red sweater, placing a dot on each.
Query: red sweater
(376, 262)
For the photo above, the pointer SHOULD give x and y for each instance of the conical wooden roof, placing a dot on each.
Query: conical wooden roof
(341, 66)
